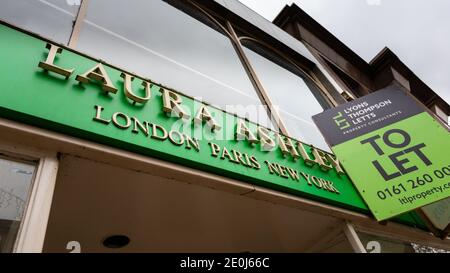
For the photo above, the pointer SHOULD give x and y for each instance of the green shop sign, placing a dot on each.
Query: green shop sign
(396, 153)
(60, 90)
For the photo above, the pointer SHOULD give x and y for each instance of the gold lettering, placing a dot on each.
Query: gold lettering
(248, 161)
(321, 159)
(316, 182)
(192, 142)
(308, 160)
(325, 184)
(238, 158)
(287, 147)
(98, 114)
(307, 177)
(138, 126)
(294, 174)
(336, 164)
(283, 171)
(127, 79)
(49, 65)
(155, 129)
(203, 115)
(124, 117)
(227, 154)
(215, 149)
(172, 104)
(267, 143)
(243, 133)
(99, 74)
(273, 168)
(179, 140)
(332, 187)
(319, 183)
(328, 185)
(255, 163)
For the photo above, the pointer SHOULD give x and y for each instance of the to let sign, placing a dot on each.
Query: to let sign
(395, 152)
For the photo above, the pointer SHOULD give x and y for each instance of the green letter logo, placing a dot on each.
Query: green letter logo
(341, 122)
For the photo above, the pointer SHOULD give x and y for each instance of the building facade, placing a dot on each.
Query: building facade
(184, 126)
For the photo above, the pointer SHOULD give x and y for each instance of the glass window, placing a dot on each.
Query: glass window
(428, 249)
(381, 244)
(52, 19)
(158, 41)
(295, 98)
(15, 185)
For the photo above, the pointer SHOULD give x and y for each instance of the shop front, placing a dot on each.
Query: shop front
(123, 133)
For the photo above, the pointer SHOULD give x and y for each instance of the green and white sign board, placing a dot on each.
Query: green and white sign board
(395, 152)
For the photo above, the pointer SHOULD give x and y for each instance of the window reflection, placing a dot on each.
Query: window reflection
(295, 98)
(52, 19)
(15, 182)
(156, 40)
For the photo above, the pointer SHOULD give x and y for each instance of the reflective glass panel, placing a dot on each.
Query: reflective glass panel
(295, 99)
(158, 41)
(15, 185)
(53, 19)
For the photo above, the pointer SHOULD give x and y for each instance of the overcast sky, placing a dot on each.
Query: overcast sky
(417, 31)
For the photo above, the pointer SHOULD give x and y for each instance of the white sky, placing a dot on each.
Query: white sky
(417, 31)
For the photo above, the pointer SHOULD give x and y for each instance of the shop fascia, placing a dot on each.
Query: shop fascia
(173, 105)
